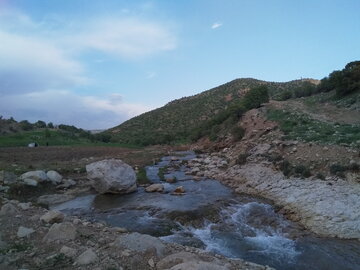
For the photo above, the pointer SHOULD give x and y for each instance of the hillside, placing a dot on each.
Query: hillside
(175, 121)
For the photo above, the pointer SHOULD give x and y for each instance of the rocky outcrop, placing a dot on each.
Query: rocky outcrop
(112, 176)
(328, 208)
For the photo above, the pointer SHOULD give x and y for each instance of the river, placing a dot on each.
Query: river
(212, 217)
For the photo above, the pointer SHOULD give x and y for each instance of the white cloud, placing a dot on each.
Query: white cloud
(56, 106)
(30, 64)
(126, 38)
(216, 25)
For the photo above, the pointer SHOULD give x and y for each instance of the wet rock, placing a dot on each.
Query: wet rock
(170, 180)
(54, 177)
(68, 251)
(194, 171)
(140, 243)
(112, 176)
(38, 176)
(179, 191)
(48, 200)
(87, 257)
(60, 231)
(155, 188)
(24, 232)
(8, 209)
(52, 216)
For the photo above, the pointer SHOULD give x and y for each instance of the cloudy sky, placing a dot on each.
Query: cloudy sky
(95, 64)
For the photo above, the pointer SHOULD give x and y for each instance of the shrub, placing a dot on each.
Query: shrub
(320, 176)
(337, 169)
(286, 168)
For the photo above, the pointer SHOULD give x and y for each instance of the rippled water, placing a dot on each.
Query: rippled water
(212, 217)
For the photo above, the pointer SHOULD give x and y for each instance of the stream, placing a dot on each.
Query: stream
(212, 217)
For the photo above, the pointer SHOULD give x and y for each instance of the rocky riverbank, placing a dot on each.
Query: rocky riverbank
(328, 207)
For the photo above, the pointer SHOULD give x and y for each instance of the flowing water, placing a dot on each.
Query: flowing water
(210, 216)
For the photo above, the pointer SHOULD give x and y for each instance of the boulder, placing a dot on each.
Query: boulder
(52, 216)
(54, 177)
(68, 251)
(38, 176)
(8, 209)
(170, 180)
(48, 200)
(112, 176)
(87, 257)
(155, 188)
(24, 232)
(30, 182)
(176, 258)
(179, 191)
(60, 231)
(140, 243)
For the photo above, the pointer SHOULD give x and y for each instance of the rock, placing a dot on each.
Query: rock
(194, 171)
(24, 232)
(170, 180)
(38, 176)
(176, 258)
(30, 182)
(60, 231)
(7, 177)
(68, 251)
(155, 188)
(87, 257)
(151, 263)
(8, 209)
(112, 176)
(187, 260)
(25, 206)
(179, 190)
(54, 177)
(67, 183)
(52, 216)
(48, 200)
(199, 265)
(140, 243)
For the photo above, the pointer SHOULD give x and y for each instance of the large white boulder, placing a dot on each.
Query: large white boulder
(112, 176)
(54, 177)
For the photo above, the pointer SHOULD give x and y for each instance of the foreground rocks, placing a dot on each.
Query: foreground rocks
(28, 242)
(112, 176)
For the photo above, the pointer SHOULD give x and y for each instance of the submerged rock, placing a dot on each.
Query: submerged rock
(155, 188)
(112, 176)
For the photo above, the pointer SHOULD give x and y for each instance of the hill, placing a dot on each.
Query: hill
(175, 121)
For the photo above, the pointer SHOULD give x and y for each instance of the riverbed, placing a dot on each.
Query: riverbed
(211, 216)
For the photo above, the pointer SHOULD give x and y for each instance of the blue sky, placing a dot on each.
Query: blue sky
(95, 64)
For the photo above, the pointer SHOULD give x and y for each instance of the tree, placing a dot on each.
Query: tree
(40, 124)
(26, 125)
(50, 125)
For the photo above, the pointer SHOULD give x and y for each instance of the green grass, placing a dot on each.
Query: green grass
(298, 126)
(56, 138)
(141, 176)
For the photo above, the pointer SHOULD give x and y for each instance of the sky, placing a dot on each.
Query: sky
(95, 64)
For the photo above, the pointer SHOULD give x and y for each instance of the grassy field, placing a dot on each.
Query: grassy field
(52, 138)
(297, 126)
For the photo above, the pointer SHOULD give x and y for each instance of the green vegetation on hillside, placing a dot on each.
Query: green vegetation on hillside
(343, 81)
(227, 119)
(176, 121)
(297, 126)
